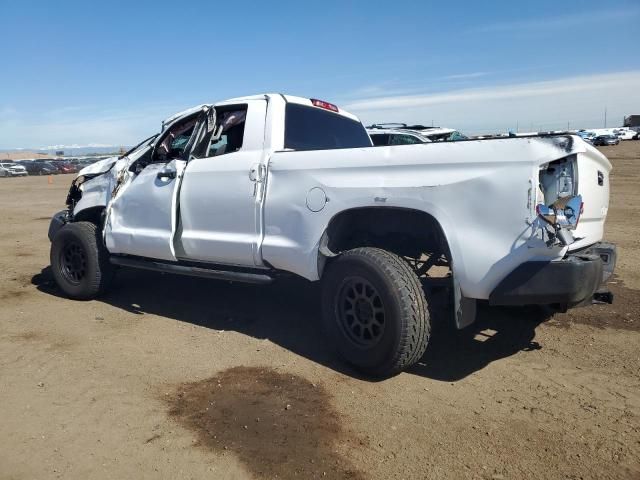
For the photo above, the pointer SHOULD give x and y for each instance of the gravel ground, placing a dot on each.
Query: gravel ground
(175, 377)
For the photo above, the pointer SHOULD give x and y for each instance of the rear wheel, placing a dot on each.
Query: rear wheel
(375, 311)
(79, 261)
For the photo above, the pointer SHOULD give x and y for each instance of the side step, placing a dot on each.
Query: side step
(231, 276)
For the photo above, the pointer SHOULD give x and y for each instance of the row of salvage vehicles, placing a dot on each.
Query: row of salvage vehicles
(255, 188)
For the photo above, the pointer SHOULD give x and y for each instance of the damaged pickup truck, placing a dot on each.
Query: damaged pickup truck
(254, 188)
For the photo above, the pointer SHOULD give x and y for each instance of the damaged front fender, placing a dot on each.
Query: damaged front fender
(57, 222)
(95, 191)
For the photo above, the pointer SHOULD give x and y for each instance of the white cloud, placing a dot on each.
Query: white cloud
(562, 21)
(413, 85)
(6, 112)
(82, 126)
(548, 104)
(465, 76)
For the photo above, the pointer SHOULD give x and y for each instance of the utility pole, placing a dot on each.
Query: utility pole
(605, 117)
(517, 126)
(568, 126)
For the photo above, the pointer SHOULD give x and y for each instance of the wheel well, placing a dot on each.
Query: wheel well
(405, 232)
(414, 235)
(94, 215)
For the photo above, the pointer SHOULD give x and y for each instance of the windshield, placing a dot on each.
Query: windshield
(129, 152)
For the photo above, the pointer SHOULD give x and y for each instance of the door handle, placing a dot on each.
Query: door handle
(166, 173)
(257, 173)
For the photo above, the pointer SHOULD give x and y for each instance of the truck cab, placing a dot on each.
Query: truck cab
(211, 161)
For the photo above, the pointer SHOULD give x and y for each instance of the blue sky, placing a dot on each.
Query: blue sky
(107, 72)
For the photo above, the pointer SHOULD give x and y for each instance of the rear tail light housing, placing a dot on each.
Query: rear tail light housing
(564, 213)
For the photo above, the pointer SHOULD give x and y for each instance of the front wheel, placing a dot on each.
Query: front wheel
(79, 261)
(375, 311)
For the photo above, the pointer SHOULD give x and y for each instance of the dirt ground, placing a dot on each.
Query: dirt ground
(176, 377)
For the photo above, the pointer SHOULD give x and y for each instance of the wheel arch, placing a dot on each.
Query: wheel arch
(401, 230)
(93, 215)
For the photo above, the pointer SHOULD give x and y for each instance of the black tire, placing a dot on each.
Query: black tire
(79, 261)
(375, 311)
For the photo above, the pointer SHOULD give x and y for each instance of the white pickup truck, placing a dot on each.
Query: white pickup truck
(258, 187)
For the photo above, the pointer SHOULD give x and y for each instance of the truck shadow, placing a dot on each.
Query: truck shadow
(498, 332)
(288, 314)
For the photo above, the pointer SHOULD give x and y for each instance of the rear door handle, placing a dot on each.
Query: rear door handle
(257, 172)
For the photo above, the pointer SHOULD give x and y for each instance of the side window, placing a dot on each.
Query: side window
(233, 121)
(404, 140)
(380, 139)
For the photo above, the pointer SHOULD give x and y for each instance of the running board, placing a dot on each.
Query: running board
(244, 277)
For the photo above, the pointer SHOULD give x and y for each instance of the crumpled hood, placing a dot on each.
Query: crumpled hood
(98, 167)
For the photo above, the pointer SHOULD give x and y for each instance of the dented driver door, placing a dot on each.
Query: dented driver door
(142, 217)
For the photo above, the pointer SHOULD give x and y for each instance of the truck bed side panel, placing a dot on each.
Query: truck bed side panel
(482, 193)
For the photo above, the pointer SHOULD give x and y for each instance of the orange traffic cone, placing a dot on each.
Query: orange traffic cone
(50, 179)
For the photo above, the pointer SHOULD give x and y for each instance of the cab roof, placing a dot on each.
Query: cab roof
(265, 96)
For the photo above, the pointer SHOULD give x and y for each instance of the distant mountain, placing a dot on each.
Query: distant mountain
(69, 150)
(77, 150)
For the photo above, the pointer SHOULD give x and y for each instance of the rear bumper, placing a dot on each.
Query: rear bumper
(570, 282)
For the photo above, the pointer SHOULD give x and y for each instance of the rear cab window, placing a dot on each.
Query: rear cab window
(312, 128)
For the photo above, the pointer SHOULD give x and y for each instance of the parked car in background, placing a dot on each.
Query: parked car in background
(10, 169)
(65, 167)
(587, 136)
(625, 134)
(440, 134)
(80, 163)
(604, 140)
(39, 168)
(433, 134)
(389, 136)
